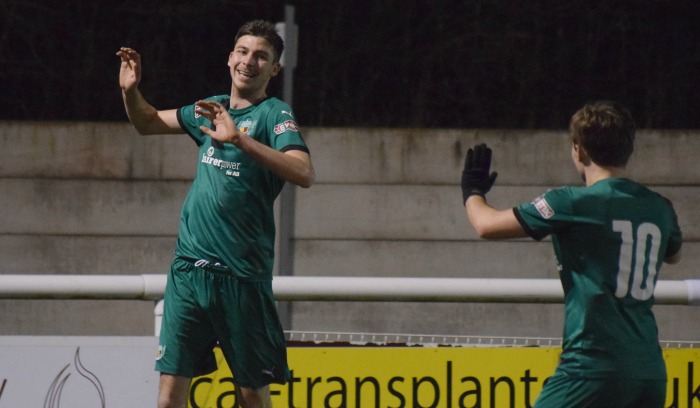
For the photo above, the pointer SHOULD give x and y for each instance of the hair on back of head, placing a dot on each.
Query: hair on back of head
(606, 131)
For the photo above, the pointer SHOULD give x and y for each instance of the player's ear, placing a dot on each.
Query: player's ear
(276, 69)
(580, 153)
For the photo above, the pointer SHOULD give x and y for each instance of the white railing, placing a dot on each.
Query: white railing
(321, 288)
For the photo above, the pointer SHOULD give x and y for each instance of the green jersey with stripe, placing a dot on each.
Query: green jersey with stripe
(227, 216)
(610, 240)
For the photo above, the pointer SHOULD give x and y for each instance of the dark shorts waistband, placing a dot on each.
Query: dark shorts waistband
(220, 269)
(215, 267)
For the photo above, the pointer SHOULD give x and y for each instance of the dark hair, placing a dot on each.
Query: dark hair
(266, 30)
(605, 130)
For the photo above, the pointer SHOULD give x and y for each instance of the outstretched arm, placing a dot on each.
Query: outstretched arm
(146, 119)
(490, 223)
(477, 180)
(293, 166)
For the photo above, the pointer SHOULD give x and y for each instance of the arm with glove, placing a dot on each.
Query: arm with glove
(477, 180)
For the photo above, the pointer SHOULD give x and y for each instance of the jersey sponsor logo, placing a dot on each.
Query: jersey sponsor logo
(285, 126)
(230, 167)
(284, 112)
(543, 207)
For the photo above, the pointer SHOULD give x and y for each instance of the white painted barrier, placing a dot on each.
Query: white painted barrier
(123, 287)
(321, 288)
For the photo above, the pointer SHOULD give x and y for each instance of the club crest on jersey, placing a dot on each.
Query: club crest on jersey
(245, 126)
(161, 352)
(543, 207)
(285, 126)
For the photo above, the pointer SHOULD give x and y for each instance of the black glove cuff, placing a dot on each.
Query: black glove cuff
(470, 192)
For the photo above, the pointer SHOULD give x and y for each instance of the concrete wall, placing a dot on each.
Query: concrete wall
(96, 198)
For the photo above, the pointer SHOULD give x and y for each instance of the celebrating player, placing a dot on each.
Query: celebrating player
(610, 239)
(219, 286)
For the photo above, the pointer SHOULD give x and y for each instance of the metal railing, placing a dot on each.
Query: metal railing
(323, 288)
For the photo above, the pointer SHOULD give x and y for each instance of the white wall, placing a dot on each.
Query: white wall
(96, 198)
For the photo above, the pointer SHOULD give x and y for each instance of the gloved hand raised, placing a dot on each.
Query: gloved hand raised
(476, 179)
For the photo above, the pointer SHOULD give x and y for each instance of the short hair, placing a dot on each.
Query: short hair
(605, 130)
(266, 30)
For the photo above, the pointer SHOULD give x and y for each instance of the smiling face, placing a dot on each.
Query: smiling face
(252, 64)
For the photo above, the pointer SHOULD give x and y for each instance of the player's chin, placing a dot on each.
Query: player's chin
(245, 83)
(245, 77)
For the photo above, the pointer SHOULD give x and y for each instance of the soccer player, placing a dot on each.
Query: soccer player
(219, 286)
(610, 239)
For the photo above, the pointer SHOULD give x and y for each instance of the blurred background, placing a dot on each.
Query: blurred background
(440, 64)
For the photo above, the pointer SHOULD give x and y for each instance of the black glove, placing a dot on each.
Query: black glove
(476, 179)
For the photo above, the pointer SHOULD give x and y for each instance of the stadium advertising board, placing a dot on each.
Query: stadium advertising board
(49, 372)
(77, 372)
(426, 377)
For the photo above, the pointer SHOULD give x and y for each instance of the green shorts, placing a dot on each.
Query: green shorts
(206, 306)
(561, 390)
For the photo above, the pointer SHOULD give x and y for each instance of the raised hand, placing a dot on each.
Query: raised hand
(130, 70)
(476, 179)
(223, 129)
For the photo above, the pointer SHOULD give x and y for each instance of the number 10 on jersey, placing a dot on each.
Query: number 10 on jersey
(642, 248)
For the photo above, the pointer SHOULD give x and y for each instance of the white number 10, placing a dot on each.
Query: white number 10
(645, 247)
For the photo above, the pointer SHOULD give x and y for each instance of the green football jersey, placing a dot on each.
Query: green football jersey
(227, 216)
(610, 240)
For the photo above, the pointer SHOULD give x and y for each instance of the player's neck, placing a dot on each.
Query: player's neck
(240, 101)
(594, 173)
